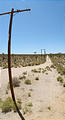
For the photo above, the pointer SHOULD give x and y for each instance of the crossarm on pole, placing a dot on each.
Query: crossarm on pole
(16, 11)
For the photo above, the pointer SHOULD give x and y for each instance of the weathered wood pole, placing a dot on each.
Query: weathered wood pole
(9, 66)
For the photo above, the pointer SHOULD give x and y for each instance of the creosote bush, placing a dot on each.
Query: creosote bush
(48, 68)
(1, 102)
(16, 83)
(60, 79)
(29, 94)
(30, 104)
(60, 69)
(39, 68)
(59, 62)
(14, 108)
(52, 66)
(37, 78)
(46, 73)
(19, 100)
(43, 70)
(25, 73)
(64, 85)
(22, 77)
(28, 82)
(27, 108)
(6, 91)
(8, 105)
(35, 71)
(49, 108)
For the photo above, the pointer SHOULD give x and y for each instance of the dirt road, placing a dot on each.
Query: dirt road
(47, 95)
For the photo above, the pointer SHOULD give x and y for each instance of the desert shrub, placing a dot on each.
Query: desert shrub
(16, 82)
(39, 71)
(31, 89)
(46, 73)
(22, 77)
(52, 66)
(6, 91)
(1, 102)
(60, 79)
(61, 69)
(28, 82)
(43, 71)
(6, 106)
(8, 86)
(36, 71)
(25, 73)
(39, 68)
(48, 68)
(64, 85)
(49, 108)
(19, 100)
(23, 65)
(14, 108)
(29, 94)
(58, 61)
(5, 66)
(37, 78)
(30, 104)
(26, 109)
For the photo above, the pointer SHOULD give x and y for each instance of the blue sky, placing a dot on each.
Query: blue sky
(43, 27)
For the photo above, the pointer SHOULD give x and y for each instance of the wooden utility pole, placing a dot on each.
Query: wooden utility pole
(41, 53)
(9, 58)
(44, 51)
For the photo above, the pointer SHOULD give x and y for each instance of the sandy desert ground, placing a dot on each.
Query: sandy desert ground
(47, 94)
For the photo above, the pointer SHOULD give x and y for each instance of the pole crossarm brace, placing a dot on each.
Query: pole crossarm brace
(16, 11)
